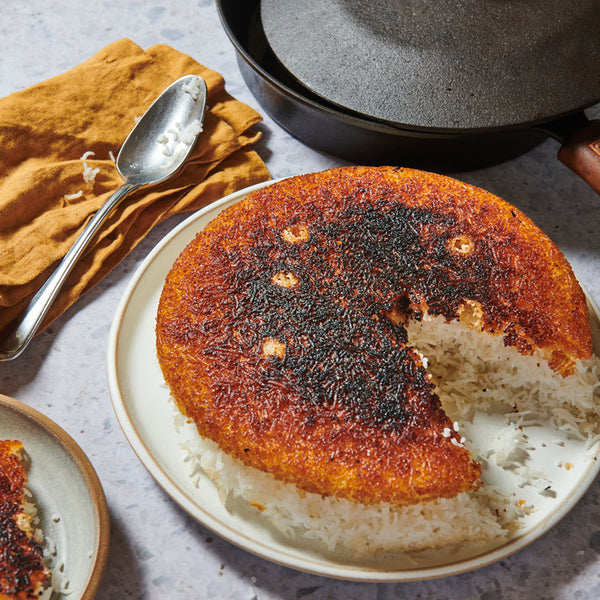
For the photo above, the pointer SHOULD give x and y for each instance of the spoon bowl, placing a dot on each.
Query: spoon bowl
(159, 144)
(153, 152)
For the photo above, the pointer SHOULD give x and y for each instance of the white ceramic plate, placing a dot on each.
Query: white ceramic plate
(141, 402)
(67, 493)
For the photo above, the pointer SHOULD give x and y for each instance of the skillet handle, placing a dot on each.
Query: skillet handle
(581, 153)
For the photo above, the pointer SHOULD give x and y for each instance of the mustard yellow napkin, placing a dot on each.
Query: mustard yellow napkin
(47, 135)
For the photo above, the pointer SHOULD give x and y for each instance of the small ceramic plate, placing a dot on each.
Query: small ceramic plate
(68, 496)
(141, 402)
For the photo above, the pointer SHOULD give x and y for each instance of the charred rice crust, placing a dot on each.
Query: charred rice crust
(280, 327)
(22, 571)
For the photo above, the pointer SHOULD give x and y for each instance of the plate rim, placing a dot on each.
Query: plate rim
(92, 482)
(346, 572)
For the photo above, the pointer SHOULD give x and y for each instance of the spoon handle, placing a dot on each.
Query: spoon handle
(38, 307)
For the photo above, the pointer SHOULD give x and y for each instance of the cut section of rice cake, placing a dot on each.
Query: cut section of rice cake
(281, 327)
(23, 574)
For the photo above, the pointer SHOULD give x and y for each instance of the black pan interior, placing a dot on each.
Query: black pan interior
(443, 65)
(342, 133)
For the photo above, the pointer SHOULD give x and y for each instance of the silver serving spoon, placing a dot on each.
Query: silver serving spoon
(154, 151)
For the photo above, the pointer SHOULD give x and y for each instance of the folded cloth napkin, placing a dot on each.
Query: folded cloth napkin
(58, 140)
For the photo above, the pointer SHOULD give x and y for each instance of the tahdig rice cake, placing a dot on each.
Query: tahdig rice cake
(284, 330)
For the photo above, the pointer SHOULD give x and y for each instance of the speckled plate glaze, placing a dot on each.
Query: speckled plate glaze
(141, 402)
(67, 493)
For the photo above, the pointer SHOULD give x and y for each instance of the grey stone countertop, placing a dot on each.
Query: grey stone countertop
(157, 551)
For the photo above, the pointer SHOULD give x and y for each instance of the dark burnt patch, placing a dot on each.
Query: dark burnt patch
(340, 349)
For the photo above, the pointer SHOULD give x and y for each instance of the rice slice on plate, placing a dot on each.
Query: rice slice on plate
(23, 572)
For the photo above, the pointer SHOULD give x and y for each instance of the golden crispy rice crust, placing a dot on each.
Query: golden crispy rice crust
(22, 571)
(280, 329)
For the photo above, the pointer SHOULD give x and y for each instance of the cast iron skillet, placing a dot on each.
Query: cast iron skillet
(361, 138)
(439, 66)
